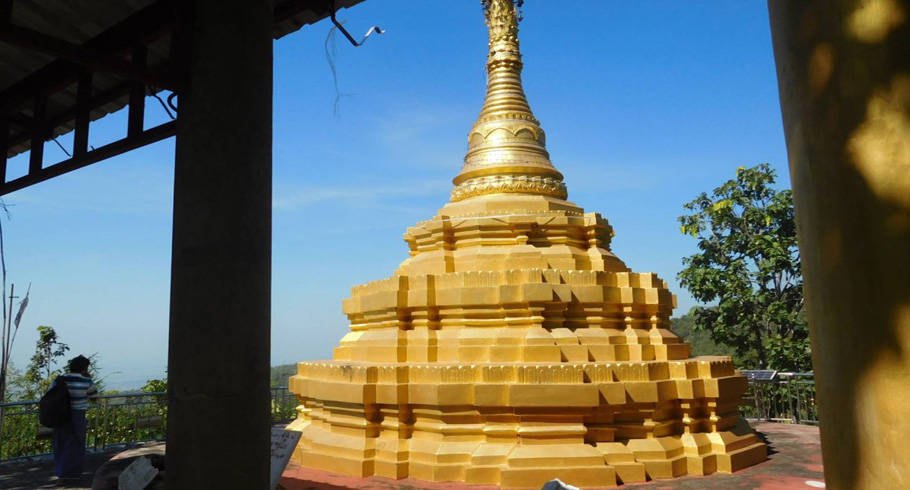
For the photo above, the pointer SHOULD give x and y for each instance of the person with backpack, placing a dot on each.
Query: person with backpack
(69, 436)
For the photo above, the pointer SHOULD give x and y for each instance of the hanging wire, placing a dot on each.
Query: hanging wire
(4, 207)
(330, 59)
(370, 31)
(330, 51)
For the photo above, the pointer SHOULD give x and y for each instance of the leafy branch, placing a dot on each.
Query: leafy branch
(748, 264)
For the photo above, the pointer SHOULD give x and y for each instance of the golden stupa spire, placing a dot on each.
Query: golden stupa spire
(506, 146)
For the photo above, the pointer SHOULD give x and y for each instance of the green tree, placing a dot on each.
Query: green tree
(155, 385)
(748, 265)
(700, 340)
(41, 369)
(94, 372)
(281, 373)
(14, 385)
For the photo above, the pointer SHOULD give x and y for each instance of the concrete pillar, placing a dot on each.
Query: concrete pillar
(218, 358)
(844, 72)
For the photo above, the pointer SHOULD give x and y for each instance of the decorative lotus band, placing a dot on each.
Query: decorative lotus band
(525, 184)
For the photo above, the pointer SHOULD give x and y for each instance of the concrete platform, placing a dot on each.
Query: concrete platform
(38, 472)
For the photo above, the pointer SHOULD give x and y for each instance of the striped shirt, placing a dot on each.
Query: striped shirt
(81, 388)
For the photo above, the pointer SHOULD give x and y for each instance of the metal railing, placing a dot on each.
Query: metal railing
(781, 397)
(284, 405)
(120, 419)
(113, 421)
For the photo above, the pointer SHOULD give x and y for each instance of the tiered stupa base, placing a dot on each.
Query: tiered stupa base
(512, 347)
(519, 425)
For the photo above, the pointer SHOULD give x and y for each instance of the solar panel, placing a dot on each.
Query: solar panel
(759, 374)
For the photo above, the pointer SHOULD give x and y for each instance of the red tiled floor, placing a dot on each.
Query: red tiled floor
(795, 459)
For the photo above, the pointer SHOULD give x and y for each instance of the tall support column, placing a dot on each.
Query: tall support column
(218, 358)
(844, 72)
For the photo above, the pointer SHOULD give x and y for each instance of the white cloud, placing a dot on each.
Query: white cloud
(357, 193)
(426, 134)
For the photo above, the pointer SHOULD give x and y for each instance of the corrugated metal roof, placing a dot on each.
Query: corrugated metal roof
(83, 21)
(76, 21)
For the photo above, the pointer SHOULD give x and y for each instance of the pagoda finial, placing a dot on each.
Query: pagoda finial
(506, 146)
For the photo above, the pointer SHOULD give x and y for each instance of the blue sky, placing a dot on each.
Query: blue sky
(645, 105)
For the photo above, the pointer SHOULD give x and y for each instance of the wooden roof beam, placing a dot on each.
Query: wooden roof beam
(291, 8)
(145, 25)
(71, 113)
(94, 59)
(38, 174)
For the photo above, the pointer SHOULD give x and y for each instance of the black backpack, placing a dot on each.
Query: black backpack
(54, 406)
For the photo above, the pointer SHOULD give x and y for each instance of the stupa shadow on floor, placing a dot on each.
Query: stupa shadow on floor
(764, 438)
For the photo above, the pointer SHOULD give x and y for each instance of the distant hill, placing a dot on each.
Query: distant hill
(701, 342)
(281, 373)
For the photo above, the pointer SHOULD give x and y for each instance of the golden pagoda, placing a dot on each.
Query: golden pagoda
(512, 347)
